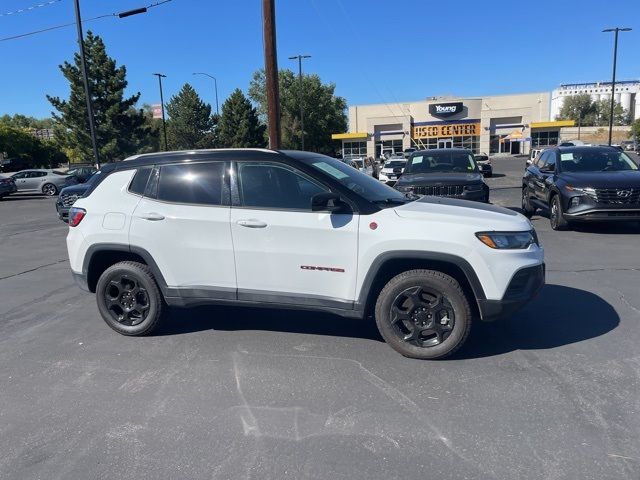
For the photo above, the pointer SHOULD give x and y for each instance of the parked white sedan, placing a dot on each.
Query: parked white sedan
(48, 182)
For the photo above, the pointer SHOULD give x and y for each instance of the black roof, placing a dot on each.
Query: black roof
(583, 148)
(193, 155)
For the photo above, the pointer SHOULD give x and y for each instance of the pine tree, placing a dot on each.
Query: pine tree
(119, 125)
(239, 124)
(324, 111)
(190, 123)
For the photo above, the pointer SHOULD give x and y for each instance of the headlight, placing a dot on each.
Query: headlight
(508, 240)
(583, 190)
(474, 188)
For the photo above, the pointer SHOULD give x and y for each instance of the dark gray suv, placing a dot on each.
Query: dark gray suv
(445, 172)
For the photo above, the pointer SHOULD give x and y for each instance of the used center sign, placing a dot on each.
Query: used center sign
(453, 130)
(445, 109)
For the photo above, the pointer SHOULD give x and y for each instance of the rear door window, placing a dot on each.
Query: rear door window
(198, 184)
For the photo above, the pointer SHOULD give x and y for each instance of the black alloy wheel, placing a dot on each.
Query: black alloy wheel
(423, 314)
(128, 298)
(422, 317)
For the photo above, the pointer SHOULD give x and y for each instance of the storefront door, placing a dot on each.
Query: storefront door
(445, 143)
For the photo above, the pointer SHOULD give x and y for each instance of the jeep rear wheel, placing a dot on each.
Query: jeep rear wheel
(129, 299)
(423, 314)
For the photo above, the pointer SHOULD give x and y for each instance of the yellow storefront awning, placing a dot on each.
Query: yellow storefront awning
(557, 123)
(348, 136)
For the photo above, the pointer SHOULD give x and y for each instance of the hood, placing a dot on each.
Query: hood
(440, 178)
(611, 179)
(480, 215)
(78, 189)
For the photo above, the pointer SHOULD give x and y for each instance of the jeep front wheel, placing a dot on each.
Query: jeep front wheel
(128, 298)
(423, 314)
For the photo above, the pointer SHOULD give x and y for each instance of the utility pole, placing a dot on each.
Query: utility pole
(164, 123)
(215, 84)
(300, 96)
(87, 91)
(271, 72)
(613, 79)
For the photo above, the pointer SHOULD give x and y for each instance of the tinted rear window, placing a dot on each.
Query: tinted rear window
(139, 182)
(199, 183)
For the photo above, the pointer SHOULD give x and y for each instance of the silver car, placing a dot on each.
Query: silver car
(48, 182)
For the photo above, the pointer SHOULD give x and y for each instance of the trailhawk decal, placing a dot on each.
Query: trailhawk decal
(322, 269)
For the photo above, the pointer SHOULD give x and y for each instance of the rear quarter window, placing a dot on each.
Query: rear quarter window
(139, 182)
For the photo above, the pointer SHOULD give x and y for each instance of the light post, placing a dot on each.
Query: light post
(215, 83)
(85, 79)
(85, 74)
(613, 79)
(299, 58)
(164, 123)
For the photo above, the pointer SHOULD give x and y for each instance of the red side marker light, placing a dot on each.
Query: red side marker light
(373, 225)
(76, 215)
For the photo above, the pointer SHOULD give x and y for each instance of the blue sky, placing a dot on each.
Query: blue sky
(373, 50)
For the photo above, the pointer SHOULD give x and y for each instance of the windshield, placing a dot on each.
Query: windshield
(358, 182)
(395, 164)
(441, 162)
(596, 160)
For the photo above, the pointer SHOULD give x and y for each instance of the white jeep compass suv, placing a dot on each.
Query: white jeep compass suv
(296, 230)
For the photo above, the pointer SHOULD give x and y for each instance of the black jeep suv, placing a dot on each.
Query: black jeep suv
(445, 172)
(582, 184)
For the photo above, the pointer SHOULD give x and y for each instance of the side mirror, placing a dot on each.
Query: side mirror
(328, 202)
(529, 162)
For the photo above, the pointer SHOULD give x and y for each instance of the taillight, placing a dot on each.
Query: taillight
(76, 215)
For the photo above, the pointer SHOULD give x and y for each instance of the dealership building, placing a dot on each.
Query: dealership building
(508, 124)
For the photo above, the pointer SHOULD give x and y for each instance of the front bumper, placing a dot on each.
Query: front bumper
(7, 189)
(525, 284)
(605, 215)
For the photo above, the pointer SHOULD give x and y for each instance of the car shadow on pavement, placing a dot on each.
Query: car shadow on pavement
(15, 198)
(186, 320)
(558, 316)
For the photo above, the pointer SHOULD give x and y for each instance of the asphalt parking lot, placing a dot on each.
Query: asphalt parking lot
(554, 393)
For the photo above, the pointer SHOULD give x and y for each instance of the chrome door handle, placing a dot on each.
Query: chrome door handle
(251, 223)
(152, 216)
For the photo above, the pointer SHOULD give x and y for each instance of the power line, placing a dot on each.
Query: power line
(30, 9)
(55, 27)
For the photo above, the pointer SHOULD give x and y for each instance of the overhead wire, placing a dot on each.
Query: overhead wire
(55, 27)
(30, 9)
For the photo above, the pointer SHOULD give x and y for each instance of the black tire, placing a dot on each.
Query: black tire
(129, 299)
(528, 210)
(556, 215)
(410, 326)
(49, 189)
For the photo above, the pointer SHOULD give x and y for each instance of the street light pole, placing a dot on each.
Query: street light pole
(164, 123)
(613, 79)
(85, 79)
(300, 96)
(215, 83)
(271, 72)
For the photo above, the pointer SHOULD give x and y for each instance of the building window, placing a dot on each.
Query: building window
(354, 150)
(381, 145)
(542, 139)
